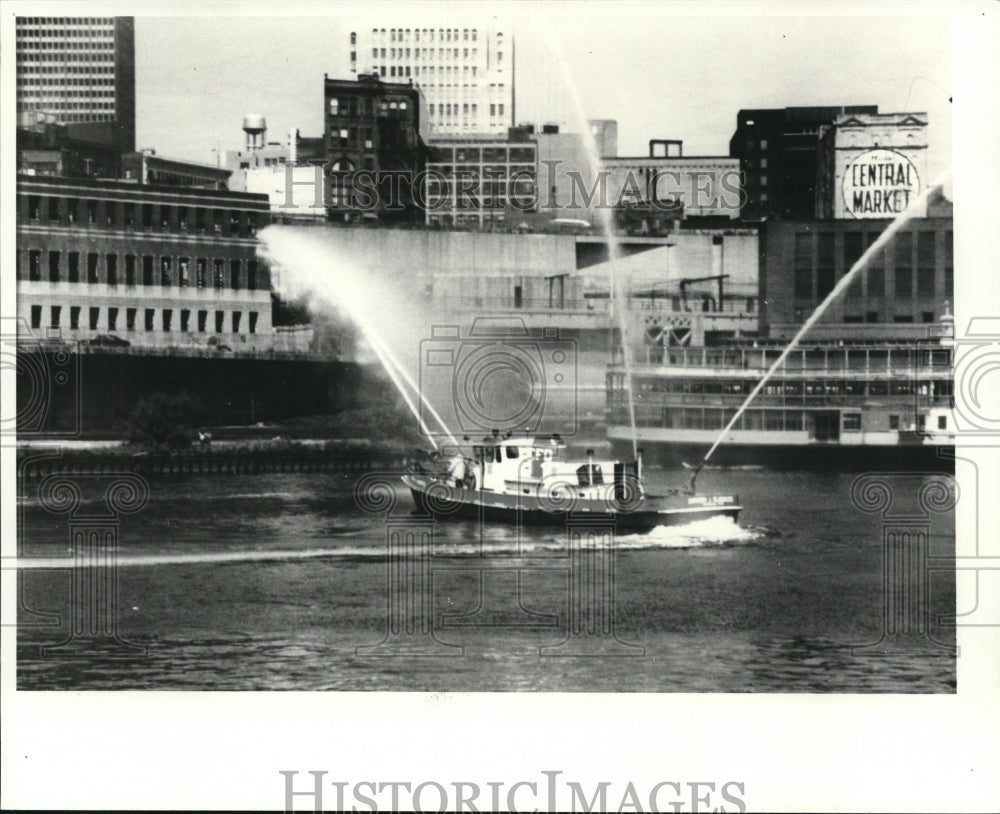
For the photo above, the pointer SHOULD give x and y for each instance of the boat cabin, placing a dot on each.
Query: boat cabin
(520, 463)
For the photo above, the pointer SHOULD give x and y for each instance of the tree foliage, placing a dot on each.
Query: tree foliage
(164, 421)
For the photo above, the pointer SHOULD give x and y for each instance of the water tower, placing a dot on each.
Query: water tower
(255, 126)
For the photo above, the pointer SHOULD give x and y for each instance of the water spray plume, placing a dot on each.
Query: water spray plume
(294, 252)
(880, 243)
(617, 300)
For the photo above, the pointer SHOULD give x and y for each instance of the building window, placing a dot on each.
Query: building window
(74, 317)
(168, 316)
(165, 264)
(53, 209)
(34, 209)
(803, 284)
(200, 265)
(72, 210)
(234, 275)
(164, 217)
(130, 319)
(876, 283)
(894, 422)
(183, 272)
(95, 316)
(925, 282)
(91, 212)
(926, 316)
(53, 267)
(147, 269)
(35, 265)
(220, 317)
(824, 282)
(218, 275)
(150, 315)
(130, 270)
(202, 319)
(36, 316)
(199, 219)
(92, 267)
(902, 318)
(182, 218)
(251, 275)
(55, 315)
(852, 422)
(147, 216)
(942, 422)
(185, 318)
(237, 315)
(112, 319)
(112, 264)
(904, 283)
(74, 267)
(129, 210)
(253, 322)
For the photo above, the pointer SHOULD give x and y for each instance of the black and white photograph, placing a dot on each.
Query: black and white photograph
(499, 406)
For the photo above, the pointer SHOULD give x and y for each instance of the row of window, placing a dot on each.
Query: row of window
(854, 245)
(443, 34)
(71, 94)
(86, 78)
(59, 57)
(67, 70)
(352, 106)
(59, 45)
(166, 321)
(811, 285)
(695, 418)
(475, 155)
(791, 389)
(426, 53)
(56, 209)
(60, 106)
(63, 21)
(199, 273)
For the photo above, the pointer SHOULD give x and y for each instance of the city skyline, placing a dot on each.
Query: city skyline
(704, 69)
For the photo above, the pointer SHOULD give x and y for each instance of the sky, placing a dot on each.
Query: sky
(658, 75)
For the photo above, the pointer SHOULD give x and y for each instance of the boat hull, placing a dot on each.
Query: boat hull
(453, 502)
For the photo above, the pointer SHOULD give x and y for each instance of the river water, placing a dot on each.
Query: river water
(279, 582)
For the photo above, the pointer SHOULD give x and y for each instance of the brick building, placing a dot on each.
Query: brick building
(376, 134)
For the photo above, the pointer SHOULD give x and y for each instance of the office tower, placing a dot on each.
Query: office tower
(465, 68)
(78, 72)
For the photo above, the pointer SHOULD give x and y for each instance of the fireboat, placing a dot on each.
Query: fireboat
(529, 479)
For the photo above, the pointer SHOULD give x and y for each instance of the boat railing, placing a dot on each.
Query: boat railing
(874, 360)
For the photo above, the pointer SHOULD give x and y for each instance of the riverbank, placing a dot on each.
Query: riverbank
(219, 458)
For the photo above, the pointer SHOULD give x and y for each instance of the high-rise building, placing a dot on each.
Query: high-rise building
(465, 68)
(80, 72)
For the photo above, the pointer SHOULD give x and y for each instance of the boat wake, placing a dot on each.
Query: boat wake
(701, 533)
(732, 468)
(714, 531)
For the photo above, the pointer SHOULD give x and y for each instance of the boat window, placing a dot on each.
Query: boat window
(511, 452)
(588, 474)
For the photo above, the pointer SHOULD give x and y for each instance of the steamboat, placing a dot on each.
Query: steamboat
(832, 405)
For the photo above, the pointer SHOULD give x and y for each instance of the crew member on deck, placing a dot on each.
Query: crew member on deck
(456, 470)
